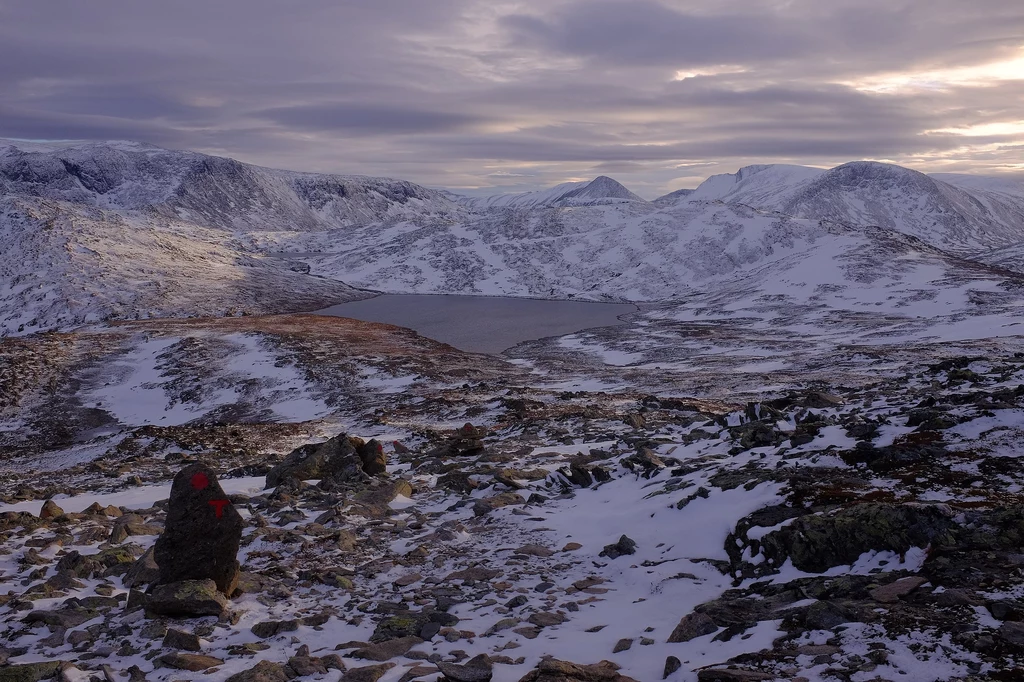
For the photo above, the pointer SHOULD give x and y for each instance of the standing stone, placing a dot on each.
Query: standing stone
(202, 532)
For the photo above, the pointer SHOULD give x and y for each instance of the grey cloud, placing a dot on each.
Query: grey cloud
(368, 119)
(529, 92)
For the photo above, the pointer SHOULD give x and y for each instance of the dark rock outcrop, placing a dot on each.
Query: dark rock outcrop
(816, 543)
(342, 459)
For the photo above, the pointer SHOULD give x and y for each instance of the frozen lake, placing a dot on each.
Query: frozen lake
(483, 324)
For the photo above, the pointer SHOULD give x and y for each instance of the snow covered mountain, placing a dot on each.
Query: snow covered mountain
(124, 230)
(600, 190)
(965, 214)
(209, 190)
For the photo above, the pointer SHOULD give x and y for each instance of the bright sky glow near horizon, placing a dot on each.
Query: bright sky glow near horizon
(511, 95)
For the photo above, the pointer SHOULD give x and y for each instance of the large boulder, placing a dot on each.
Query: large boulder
(201, 534)
(339, 460)
(816, 543)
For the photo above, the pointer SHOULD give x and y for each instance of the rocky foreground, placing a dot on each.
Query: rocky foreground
(863, 533)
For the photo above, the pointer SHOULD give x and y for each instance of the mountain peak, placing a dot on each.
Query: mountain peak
(600, 190)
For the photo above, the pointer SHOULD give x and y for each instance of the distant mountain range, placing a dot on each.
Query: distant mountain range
(123, 230)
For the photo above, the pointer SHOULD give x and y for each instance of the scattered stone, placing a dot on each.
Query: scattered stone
(623, 644)
(571, 547)
(894, 590)
(201, 534)
(369, 673)
(623, 547)
(191, 598)
(732, 675)
(264, 671)
(385, 651)
(30, 672)
(692, 626)
(190, 662)
(50, 510)
(1012, 632)
(269, 628)
(144, 571)
(544, 619)
(486, 506)
(186, 641)
(672, 664)
(554, 670)
(477, 669)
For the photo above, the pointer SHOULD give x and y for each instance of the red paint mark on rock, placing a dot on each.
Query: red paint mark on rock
(200, 481)
(218, 506)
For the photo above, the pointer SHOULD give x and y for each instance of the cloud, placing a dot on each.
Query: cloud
(473, 94)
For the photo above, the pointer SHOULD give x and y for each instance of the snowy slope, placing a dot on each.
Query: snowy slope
(600, 190)
(869, 193)
(620, 252)
(762, 186)
(65, 264)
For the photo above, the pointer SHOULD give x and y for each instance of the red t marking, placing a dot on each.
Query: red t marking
(218, 506)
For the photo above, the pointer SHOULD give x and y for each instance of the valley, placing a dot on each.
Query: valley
(765, 429)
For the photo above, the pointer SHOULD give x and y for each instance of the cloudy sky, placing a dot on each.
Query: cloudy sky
(485, 95)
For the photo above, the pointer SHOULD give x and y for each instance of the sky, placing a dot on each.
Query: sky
(486, 96)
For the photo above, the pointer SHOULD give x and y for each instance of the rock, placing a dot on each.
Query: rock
(476, 669)
(190, 662)
(409, 624)
(624, 546)
(264, 671)
(201, 534)
(733, 675)
(635, 420)
(1012, 632)
(646, 460)
(486, 506)
(554, 670)
(578, 475)
(544, 619)
(385, 651)
(534, 550)
(73, 563)
(624, 644)
(336, 460)
(50, 510)
(692, 626)
(65, 618)
(457, 481)
(191, 598)
(467, 442)
(30, 672)
(186, 641)
(1009, 609)
(143, 571)
(672, 664)
(373, 459)
(894, 590)
(825, 615)
(816, 543)
(269, 628)
(369, 673)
